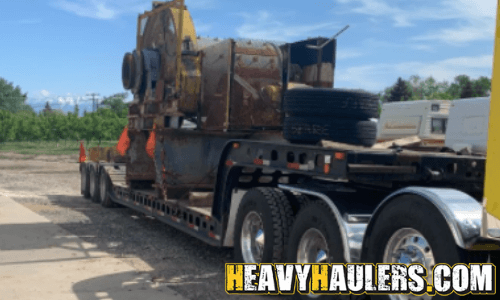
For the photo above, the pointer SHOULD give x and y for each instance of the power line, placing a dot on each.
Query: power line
(94, 104)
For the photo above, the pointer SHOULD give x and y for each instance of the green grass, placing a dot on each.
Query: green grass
(50, 148)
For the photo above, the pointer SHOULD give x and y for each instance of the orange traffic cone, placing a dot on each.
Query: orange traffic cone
(151, 144)
(123, 142)
(83, 157)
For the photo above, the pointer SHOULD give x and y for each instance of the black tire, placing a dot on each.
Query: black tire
(335, 103)
(410, 211)
(274, 210)
(104, 189)
(297, 201)
(85, 181)
(94, 185)
(317, 215)
(311, 129)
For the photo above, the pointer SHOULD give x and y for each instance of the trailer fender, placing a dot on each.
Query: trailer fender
(226, 181)
(460, 211)
(236, 198)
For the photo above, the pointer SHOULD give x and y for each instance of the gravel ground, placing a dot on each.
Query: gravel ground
(50, 186)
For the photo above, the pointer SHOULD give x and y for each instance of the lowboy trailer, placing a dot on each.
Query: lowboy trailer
(283, 194)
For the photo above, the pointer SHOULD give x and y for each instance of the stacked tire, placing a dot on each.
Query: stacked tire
(339, 115)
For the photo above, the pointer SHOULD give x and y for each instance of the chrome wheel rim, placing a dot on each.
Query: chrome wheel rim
(313, 248)
(409, 246)
(252, 238)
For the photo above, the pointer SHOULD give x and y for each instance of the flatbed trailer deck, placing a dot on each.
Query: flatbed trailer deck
(343, 175)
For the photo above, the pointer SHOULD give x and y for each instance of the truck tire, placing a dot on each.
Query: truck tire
(104, 189)
(312, 129)
(335, 103)
(262, 226)
(94, 185)
(85, 181)
(316, 231)
(297, 201)
(411, 223)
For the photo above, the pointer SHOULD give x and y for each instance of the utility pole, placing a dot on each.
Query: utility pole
(93, 95)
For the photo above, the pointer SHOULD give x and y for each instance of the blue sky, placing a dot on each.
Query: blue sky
(60, 50)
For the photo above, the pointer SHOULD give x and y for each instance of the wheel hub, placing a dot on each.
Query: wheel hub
(313, 248)
(409, 246)
(252, 238)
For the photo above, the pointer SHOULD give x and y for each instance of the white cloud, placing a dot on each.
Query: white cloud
(202, 27)
(372, 43)
(421, 47)
(374, 77)
(201, 4)
(348, 53)
(88, 8)
(41, 97)
(69, 99)
(110, 9)
(265, 26)
(400, 17)
(478, 17)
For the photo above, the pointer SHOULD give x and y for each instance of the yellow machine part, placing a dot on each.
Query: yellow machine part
(191, 84)
(188, 68)
(492, 175)
(188, 29)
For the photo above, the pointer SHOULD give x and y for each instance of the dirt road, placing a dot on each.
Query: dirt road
(50, 186)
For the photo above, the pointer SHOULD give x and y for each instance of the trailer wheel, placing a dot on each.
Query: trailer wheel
(94, 185)
(262, 226)
(334, 103)
(315, 238)
(312, 129)
(297, 201)
(104, 189)
(85, 184)
(412, 230)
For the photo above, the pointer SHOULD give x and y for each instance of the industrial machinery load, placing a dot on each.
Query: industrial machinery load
(278, 164)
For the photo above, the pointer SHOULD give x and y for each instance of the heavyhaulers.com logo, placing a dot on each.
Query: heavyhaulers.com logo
(360, 278)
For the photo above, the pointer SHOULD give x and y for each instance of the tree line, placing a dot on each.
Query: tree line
(19, 122)
(416, 88)
(104, 124)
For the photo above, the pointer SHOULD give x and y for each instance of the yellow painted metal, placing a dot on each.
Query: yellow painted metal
(184, 28)
(228, 95)
(191, 84)
(174, 6)
(492, 175)
(179, 23)
(273, 92)
(188, 28)
(139, 36)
